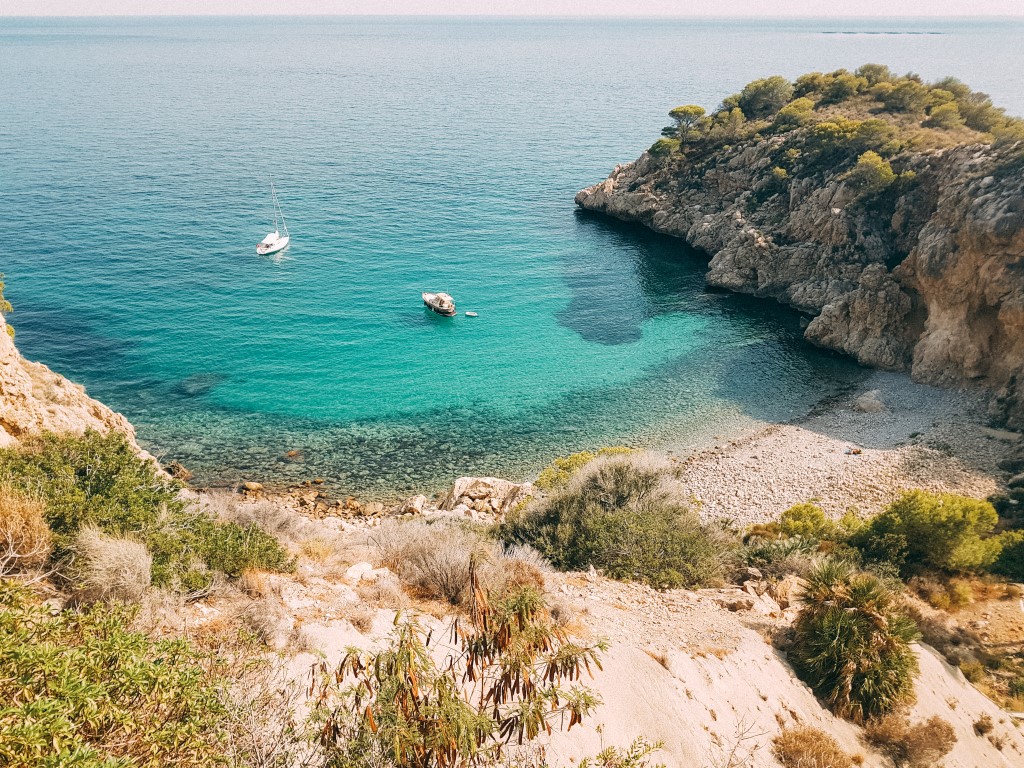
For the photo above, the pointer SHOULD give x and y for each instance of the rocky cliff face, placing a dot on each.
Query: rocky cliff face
(34, 399)
(929, 280)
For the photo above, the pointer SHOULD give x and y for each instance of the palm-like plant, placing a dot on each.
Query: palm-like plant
(852, 643)
(501, 681)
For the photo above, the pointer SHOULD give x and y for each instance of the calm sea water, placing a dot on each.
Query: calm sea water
(409, 155)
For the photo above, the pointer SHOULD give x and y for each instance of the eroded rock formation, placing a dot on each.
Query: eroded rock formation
(34, 399)
(931, 280)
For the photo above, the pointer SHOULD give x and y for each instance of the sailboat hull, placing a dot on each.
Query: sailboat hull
(265, 249)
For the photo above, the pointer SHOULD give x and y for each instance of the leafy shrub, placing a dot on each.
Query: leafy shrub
(943, 531)
(807, 520)
(504, 680)
(765, 97)
(637, 755)
(1010, 561)
(945, 116)
(25, 538)
(872, 174)
(806, 747)
(664, 147)
(684, 118)
(798, 112)
(875, 73)
(837, 140)
(98, 481)
(911, 746)
(110, 568)
(852, 643)
(625, 515)
(778, 557)
(974, 671)
(844, 86)
(561, 470)
(81, 689)
(904, 95)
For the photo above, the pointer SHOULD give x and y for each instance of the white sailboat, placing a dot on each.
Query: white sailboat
(275, 241)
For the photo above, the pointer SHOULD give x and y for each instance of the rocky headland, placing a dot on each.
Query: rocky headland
(899, 232)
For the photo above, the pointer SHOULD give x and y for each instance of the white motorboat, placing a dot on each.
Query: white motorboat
(441, 303)
(275, 241)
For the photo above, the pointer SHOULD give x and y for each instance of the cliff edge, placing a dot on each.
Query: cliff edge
(34, 399)
(899, 230)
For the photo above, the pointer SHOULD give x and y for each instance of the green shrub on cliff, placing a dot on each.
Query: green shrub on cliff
(81, 689)
(625, 516)
(1010, 561)
(852, 643)
(98, 481)
(945, 116)
(798, 112)
(763, 98)
(947, 532)
(872, 175)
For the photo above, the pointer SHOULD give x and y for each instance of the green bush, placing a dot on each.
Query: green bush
(875, 73)
(904, 95)
(765, 97)
(945, 116)
(664, 147)
(798, 112)
(98, 481)
(82, 689)
(622, 514)
(852, 643)
(807, 520)
(1010, 561)
(872, 175)
(562, 469)
(924, 530)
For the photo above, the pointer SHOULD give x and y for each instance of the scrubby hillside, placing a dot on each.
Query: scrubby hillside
(890, 210)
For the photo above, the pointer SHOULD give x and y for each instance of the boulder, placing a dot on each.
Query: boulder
(414, 505)
(251, 487)
(870, 402)
(356, 572)
(486, 494)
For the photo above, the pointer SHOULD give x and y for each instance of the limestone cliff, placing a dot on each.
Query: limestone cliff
(928, 277)
(34, 399)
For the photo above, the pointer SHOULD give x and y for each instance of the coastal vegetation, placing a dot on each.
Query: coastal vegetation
(5, 305)
(505, 680)
(89, 506)
(626, 516)
(864, 124)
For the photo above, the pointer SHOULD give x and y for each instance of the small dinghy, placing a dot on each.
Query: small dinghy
(472, 314)
(275, 241)
(441, 303)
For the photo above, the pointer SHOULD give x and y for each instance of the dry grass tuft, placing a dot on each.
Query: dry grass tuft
(254, 583)
(318, 549)
(913, 746)
(25, 538)
(983, 725)
(805, 747)
(384, 592)
(361, 616)
(110, 568)
(432, 558)
(269, 621)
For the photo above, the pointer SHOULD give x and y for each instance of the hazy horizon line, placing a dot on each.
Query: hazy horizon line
(841, 17)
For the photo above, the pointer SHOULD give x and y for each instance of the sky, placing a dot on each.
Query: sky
(883, 8)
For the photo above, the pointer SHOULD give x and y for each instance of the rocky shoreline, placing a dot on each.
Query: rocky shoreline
(925, 280)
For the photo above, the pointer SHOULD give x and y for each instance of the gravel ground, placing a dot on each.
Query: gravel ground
(922, 438)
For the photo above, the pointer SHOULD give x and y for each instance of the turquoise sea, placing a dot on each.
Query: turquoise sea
(409, 155)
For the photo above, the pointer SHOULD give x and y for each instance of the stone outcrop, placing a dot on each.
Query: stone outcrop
(487, 495)
(34, 399)
(931, 282)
